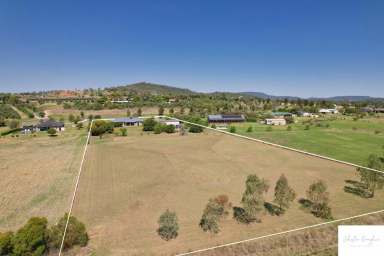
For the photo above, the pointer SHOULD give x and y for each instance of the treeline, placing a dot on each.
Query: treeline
(36, 238)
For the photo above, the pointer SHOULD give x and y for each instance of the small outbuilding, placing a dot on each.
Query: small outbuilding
(171, 121)
(226, 118)
(275, 121)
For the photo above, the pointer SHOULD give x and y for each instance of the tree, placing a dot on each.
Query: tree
(284, 195)
(13, 124)
(171, 111)
(76, 233)
(168, 226)
(139, 112)
(52, 132)
(215, 209)
(71, 118)
(79, 125)
(158, 128)
(82, 114)
(123, 131)
(6, 243)
(232, 129)
(31, 239)
(319, 197)
(373, 180)
(149, 124)
(100, 127)
(253, 197)
(161, 110)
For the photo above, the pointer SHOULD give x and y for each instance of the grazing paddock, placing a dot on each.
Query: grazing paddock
(127, 182)
(37, 176)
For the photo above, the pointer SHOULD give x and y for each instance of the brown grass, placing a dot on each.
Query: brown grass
(129, 181)
(37, 176)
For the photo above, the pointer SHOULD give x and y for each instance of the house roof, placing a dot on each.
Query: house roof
(281, 114)
(226, 117)
(127, 120)
(50, 124)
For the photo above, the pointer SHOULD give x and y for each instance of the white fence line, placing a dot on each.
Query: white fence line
(278, 145)
(279, 233)
(75, 190)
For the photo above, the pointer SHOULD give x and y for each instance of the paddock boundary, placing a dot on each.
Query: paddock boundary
(239, 136)
(278, 145)
(75, 190)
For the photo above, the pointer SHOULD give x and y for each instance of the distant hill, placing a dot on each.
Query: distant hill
(150, 88)
(262, 95)
(335, 98)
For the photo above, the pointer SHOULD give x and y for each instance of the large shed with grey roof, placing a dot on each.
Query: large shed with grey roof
(225, 118)
(128, 121)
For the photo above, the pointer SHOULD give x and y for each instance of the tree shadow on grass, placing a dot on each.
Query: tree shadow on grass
(273, 209)
(305, 205)
(357, 188)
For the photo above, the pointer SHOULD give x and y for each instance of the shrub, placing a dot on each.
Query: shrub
(195, 129)
(250, 129)
(289, 128)
(6, 243)
(158, 128)
(213, 126)
(76, 233)
(377, 131)
(32, 238)
(169, 128)
(123, 131)
(168, 226)
(79, 125)
(269, 129)
(13, 124)
(52, 131)
(149, 124)
(232, 129)
(307, 127)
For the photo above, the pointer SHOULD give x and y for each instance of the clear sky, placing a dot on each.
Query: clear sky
(302, 48)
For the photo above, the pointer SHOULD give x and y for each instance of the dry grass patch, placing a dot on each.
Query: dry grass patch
(129, 181)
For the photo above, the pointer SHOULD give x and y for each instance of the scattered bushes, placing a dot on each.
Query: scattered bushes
(168, 226)
(7, 112)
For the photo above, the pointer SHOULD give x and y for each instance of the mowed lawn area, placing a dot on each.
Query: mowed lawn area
(38, 175)
(344, 139)
(127, 182)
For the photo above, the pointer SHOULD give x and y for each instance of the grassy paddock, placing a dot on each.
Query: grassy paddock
(127, 182)
(37, 175)
(344, 139)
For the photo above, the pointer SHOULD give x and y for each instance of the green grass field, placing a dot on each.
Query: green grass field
(344, 139)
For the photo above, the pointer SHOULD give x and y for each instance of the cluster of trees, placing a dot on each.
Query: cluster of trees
(159, 128)
(253, 205)
(100, 127)
(7, 112)
(36, 238)
(370, 181)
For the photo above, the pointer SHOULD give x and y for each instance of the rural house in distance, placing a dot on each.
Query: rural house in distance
(127, 121)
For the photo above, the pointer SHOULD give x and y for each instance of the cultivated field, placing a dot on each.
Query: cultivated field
(127, 182)
(37, 175)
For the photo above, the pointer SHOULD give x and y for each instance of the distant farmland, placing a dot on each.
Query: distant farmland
(127, 182)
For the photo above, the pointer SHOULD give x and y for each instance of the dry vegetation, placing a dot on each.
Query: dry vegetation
(37, 175)
(129, 181)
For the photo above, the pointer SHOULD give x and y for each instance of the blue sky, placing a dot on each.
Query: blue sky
(303, 48)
